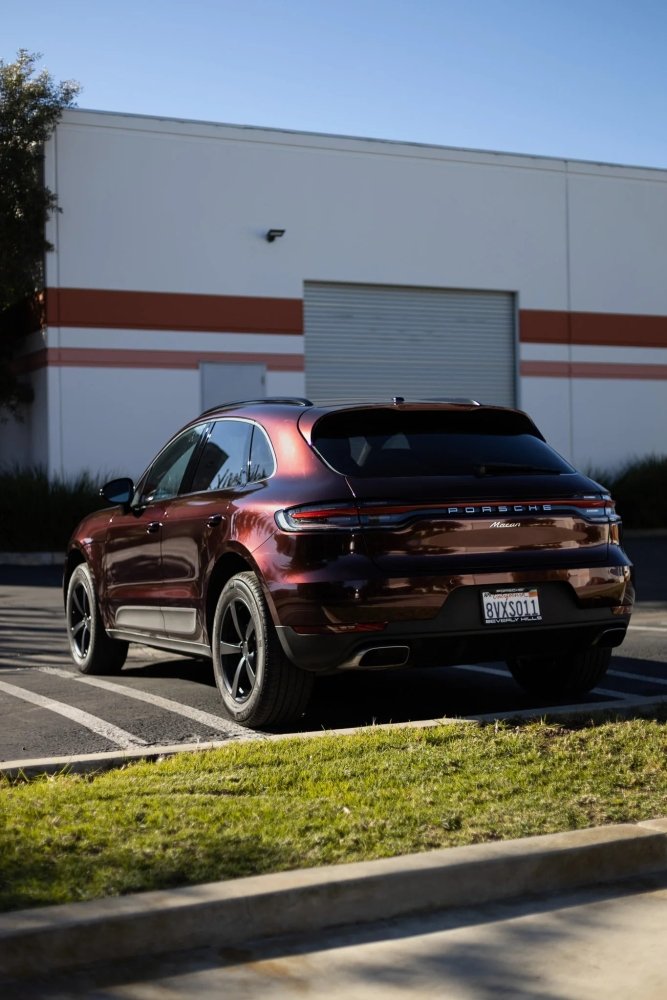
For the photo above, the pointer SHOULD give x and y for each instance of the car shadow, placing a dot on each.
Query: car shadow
(368, 698)
(197, 670)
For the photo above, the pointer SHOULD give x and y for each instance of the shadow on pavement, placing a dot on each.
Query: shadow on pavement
(516, 949)
(31, 576)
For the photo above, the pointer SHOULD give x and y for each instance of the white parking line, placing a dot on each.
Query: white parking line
(476, 669)
(225, 726)
(648, 628)
(636, 677)
(110, 732)
(610, 673)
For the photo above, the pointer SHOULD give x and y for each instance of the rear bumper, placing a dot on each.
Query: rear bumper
(396, 647)
(580, 609)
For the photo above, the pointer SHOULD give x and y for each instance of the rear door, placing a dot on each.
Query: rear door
(198, 523)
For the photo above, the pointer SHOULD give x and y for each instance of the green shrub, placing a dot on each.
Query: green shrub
(640, 491)
(38, 515)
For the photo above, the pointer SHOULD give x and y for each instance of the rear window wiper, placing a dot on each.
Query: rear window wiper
(497, 468)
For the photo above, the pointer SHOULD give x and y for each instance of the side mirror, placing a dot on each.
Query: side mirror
(118, 491)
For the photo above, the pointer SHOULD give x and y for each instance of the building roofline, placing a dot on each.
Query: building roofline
(406, 144)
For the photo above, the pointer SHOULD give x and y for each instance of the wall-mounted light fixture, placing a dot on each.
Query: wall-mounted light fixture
(274, 234)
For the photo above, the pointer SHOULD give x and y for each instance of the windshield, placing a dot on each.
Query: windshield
(388, 443)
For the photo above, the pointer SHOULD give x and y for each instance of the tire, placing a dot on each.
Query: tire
(563, 674)
(258, 684)
(90, 647)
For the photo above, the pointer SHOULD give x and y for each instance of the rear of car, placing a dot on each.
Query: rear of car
(451, 532)
(284, 539)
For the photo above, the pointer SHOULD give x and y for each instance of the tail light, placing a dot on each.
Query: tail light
(349, 517)
(598, 508)
(328, 517)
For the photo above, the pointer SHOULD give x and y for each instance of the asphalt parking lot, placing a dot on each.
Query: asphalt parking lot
(48, 709)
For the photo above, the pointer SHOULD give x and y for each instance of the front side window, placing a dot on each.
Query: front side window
(165, 476)
(223, 464)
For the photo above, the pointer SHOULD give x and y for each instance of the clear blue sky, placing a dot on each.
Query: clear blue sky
(576, 78)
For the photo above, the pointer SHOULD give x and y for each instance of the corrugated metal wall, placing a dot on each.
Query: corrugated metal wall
(377, 341)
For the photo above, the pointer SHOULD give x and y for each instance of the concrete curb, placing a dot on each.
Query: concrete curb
(230, 913)
(109, 759)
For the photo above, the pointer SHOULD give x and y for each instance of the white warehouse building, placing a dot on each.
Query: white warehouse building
(396, 269)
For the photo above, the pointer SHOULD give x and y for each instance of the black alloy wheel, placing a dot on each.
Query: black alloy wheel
(561, 674)
(80, 621)
(92, 650)
(238, 649)
(258, 684)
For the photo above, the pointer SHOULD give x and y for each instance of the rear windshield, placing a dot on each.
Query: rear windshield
(386, 443)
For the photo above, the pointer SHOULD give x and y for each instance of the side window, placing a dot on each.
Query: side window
(262, 463)
(223, 464)
(165, 476)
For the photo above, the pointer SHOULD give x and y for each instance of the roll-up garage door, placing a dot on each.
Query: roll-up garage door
(377, 341)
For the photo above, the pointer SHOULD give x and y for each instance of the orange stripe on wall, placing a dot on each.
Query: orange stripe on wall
(89, 307)
(591, 369)
(115, 309)
(542, 327)
(189, 360)
(538, 326)
(69, 357)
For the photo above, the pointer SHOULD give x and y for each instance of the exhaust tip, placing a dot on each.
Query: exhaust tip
(378, 658)
(611, 637)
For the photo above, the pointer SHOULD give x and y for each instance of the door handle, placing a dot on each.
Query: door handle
(153, 526)
(214, 520)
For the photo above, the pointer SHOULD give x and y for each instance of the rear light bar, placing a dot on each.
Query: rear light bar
(349, 516)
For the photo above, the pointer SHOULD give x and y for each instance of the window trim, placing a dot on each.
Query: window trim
(187, 479)
(139, 500)
(258, 427)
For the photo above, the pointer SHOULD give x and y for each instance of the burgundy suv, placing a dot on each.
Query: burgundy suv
(284, 539)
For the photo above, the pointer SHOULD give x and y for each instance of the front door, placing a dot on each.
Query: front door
(133, 557)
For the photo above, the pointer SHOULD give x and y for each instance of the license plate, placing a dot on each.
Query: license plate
(512, 605)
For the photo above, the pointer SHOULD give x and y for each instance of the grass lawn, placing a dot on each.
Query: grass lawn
(263, 807)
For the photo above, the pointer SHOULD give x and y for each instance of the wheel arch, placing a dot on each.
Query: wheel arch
(74, 558)
(227, 566)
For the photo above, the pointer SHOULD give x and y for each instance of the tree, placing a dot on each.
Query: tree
(31, 104)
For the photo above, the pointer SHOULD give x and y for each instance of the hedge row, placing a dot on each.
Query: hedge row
(38, 515)
(640, 491)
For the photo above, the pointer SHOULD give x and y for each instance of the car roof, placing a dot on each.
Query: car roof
(298, 403)
(306, 413)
